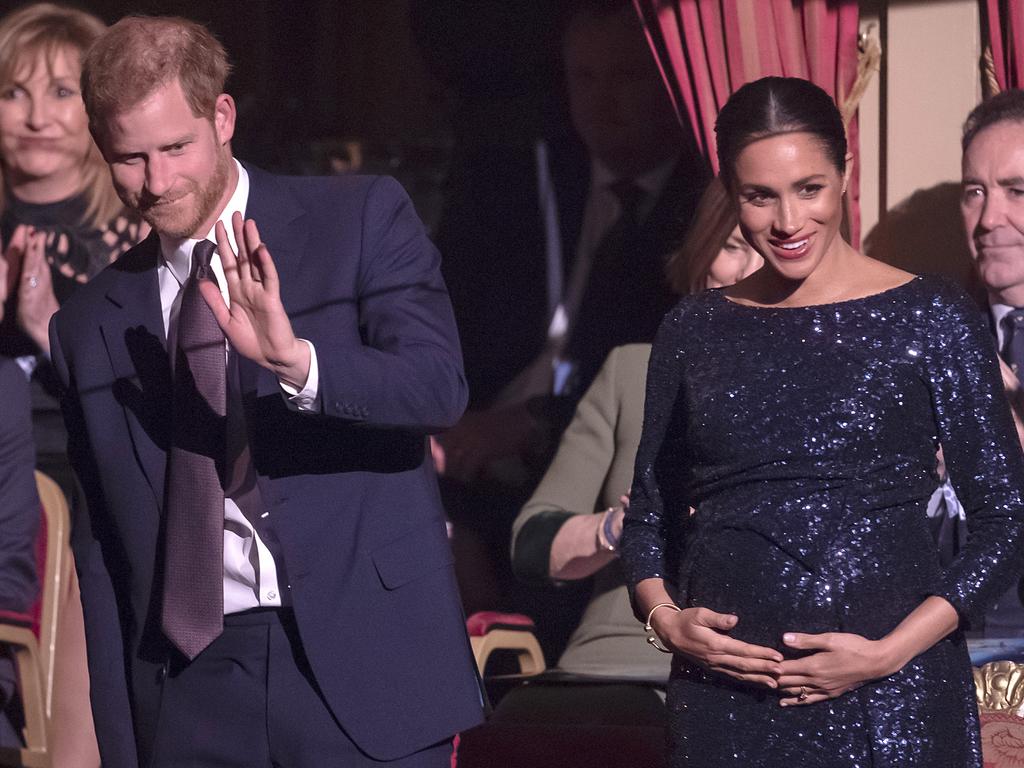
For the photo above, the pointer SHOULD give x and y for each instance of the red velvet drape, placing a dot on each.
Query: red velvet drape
(1004, 33)
(706, 49)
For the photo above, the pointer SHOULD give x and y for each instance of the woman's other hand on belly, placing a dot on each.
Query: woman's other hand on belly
(836, 663)
(701, 635)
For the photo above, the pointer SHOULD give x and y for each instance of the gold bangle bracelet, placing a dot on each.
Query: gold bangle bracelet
(652, 639)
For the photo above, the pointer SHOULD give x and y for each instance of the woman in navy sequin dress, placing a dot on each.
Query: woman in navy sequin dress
(798, 413)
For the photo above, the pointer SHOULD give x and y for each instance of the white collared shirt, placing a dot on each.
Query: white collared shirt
(251, 577)
(603, 207)
(999, 311)
(547, 373)
(602, 210)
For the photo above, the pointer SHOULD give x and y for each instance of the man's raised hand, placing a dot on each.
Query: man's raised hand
(255, 323)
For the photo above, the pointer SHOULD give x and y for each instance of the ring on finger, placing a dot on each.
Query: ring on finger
(33, 281)
(803, 694)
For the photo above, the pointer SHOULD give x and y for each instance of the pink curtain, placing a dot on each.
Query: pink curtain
(706, 49)
(1003, 28)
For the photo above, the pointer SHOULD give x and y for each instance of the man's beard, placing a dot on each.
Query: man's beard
(205, 202)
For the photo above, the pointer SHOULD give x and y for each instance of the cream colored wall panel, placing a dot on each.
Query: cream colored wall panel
(929, 82)
(932, 71)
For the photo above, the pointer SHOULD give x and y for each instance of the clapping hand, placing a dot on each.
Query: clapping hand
(255, 324)
(36, 299)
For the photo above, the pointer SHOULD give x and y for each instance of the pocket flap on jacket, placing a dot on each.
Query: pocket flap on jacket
(412, 556)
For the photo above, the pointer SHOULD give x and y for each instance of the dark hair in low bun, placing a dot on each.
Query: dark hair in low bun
(776, 105)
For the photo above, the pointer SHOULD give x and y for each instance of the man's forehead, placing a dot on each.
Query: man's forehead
(997, 151)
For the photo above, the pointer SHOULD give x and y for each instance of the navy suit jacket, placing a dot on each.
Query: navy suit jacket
(19, 504)
(350, 490)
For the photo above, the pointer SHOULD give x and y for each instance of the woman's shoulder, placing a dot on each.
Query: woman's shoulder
(688, 315)
(695, 305)
(939, 312)
(943, 295)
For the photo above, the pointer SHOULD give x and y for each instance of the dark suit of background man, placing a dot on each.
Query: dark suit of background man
(554, 247)
(19, 518)
(343, 640)
(993, 212)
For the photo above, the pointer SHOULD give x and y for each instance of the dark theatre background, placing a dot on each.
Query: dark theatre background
(391, 85)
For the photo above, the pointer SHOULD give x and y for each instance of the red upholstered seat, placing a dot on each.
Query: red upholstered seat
(15, 617)
(31, 637)
(1002, 739)
(34, 615)
(482, 622)
(41, 554)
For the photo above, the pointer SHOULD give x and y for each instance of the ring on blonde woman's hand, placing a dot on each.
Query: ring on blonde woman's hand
(803, 694)
(33, 281)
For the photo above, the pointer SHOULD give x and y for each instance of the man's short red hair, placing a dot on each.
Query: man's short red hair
(140, 54)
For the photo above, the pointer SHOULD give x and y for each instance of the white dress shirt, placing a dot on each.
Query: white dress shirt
(251, 577)
(999, 311)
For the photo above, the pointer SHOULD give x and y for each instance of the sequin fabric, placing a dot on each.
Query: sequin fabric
(805, 440)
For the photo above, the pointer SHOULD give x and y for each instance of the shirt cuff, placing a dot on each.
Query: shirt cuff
(28, 365)
(306, 399)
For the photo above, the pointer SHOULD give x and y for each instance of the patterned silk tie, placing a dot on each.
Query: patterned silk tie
(193, 594)
(1013, 346)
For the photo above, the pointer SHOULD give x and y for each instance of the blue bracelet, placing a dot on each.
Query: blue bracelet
(606, 528)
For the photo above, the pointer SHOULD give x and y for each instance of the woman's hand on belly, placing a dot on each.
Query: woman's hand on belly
(838, 662)
(700, 635)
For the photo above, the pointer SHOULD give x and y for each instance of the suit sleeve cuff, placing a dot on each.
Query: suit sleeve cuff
(531, 556)
(306, 399)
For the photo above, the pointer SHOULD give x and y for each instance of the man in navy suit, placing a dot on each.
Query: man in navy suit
(342, 638)
(993, 216)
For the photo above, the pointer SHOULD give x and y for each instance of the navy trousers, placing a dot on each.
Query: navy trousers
(249, 700)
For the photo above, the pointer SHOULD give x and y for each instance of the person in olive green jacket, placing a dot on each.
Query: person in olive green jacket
(559, 536)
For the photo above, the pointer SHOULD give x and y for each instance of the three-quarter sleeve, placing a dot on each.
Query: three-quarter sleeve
(573, 483)
(982, 452)
(651, 537)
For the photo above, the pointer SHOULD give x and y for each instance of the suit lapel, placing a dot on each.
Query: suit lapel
(133, 332)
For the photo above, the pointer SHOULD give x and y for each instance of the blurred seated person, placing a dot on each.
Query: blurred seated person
(60, 219)
(558, 302)
(631, 207)
(570, 527)
(60, 223)
(19, 523)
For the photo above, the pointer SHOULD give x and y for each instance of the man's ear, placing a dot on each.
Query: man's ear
(224, 118)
